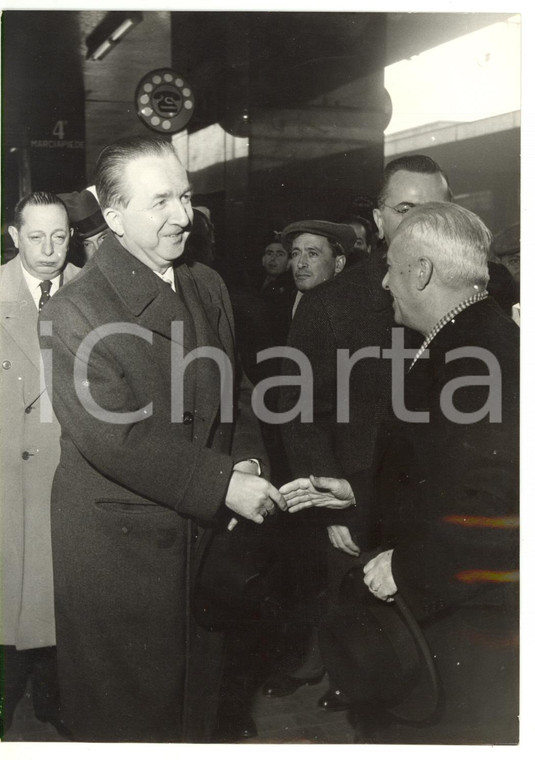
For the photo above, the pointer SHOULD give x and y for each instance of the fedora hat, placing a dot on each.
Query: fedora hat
(376, 652)
(344, 234)
(84, 213)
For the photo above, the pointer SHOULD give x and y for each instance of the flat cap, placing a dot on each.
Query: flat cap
(84, 213)
(342, 233)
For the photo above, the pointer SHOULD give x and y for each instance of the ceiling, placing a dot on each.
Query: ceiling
(409, 34)
(277, 41)
(49, 80)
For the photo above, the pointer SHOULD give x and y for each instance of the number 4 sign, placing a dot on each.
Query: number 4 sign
(59, 129)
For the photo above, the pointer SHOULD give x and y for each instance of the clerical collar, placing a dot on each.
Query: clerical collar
(452, 313)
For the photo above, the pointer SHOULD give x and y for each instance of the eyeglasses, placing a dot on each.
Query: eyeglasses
(401, 208)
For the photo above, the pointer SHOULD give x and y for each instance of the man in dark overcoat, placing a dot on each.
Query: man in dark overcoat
(446, 472)
(347, 312)
(157, 445)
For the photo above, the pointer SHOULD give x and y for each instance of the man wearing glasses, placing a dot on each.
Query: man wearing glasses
(351, 312)
(408, 181)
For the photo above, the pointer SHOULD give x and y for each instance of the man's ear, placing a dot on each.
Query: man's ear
(378, 219)
(339, 264)
(13, 231)
(425, 271)
(114, 221)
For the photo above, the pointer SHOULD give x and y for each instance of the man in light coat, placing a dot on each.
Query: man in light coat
(29, 456)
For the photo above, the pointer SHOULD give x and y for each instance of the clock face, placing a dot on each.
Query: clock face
(164, 101)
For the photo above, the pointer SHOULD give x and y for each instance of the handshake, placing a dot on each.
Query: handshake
(253, 497)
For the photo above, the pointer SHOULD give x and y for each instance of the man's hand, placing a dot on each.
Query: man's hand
(378, 576)
(340, 538)
(331, 493)
(252, 497)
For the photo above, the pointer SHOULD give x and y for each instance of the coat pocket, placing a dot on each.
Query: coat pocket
(130, 507)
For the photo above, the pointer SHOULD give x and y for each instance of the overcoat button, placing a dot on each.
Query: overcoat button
(187, 418)
(125, 529)
(6, 365)
(26, 455)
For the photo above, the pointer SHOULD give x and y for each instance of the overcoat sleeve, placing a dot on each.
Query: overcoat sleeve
(146, 454)
(310, 445)
(323, 446)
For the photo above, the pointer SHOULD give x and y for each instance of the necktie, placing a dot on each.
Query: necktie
(45, 286)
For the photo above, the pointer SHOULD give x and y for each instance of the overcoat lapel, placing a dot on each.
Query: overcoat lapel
(155, 306)
(148, 299)
(205, 317)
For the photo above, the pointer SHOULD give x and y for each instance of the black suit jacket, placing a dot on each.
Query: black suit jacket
(447, 504)
(448, 490)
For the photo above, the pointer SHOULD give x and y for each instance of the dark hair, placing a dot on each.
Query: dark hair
(356, 219)
(274, 239)
(336, 247)
(111, 163)
(38, 198)
(417, 163)
(360, 206)
(202, 223)
(200, 243)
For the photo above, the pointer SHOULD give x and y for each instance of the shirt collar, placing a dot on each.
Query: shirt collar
(168, 276)
(34, 283)
(298, 297)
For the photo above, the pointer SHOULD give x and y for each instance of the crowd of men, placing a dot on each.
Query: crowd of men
(386, 473)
